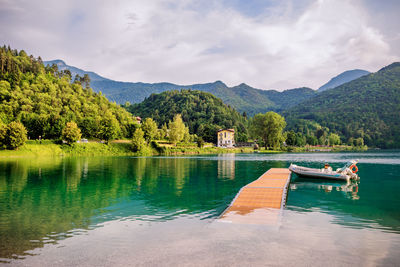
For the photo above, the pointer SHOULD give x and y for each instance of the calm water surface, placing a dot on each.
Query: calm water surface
(163, 211)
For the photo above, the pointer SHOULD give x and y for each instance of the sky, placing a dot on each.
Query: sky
(267, 44)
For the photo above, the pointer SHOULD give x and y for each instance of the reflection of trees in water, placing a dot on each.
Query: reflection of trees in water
(48, 198)
(151, 174)
(55, 200)
(138, 171)
(189, 184)
(72, 173)
(13, 176)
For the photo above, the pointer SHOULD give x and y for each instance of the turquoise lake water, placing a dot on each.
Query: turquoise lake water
(161, 211)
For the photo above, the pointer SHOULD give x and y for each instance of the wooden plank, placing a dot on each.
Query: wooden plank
(267, 192)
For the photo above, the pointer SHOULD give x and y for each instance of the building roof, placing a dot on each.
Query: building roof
(229, 130)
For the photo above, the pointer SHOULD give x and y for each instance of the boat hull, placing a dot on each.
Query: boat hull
(317, 174)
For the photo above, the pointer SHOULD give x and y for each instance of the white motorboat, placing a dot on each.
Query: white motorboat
(347, 172)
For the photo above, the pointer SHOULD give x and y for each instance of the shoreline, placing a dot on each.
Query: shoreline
(48, 148)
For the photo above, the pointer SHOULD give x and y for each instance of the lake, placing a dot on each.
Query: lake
(164, 211)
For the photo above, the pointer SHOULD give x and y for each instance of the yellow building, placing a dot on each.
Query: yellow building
(226, 138)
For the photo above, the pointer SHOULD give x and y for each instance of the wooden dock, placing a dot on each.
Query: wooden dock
(261, 200)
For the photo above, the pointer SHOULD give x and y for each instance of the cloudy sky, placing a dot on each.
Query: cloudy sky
(268, 44)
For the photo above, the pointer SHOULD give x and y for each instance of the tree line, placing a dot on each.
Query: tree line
(42, 102)
(44, 99)
(365, 110)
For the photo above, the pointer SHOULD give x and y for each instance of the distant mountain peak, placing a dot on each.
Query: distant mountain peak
(74, 70)
(343, 78)
(219, 83)
(58, 62)
(245, 85)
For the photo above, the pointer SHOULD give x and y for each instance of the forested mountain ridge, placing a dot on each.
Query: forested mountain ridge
(367, 107)
(343, 78)
(242, 97)
(74, 71)
(202, 112)
(44, 100)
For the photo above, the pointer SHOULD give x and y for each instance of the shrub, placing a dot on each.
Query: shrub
(71, 133)
(138, 141)
(16, 135)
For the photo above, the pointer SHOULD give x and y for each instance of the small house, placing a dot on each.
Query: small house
(226, 138)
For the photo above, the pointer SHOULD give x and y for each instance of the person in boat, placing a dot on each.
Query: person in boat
(327, 168)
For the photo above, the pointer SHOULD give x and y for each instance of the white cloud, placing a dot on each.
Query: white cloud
(186, 42)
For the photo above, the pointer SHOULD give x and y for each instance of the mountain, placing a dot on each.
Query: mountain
(203, 113)
(62, 66)
(242, 97)
(343, 78)
(367, 107)
(45, 100)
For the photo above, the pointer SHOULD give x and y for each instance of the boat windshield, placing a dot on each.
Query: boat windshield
(348, 164)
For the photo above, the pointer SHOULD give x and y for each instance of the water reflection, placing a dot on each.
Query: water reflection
(46, 200)
(349, 189)
(226, 166)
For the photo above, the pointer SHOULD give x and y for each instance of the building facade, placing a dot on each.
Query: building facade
(226, 138)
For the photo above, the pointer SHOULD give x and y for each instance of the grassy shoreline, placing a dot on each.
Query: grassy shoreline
(112, 149)
(49, 148)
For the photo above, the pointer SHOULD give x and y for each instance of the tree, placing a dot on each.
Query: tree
(291, 138)
(164, 131)
(86, 80)
(202, 112)
(3, 135)
(44, 100)
(176, 129)
(200, 142)
(89, 126)
(71, 133)
(311, 140)
(268, 127)
(359, 141)
(186, 135)
(300, 139)
(350, 142)
(334, 139)
(138, 141)
(149, 128)
(109, 128)
(321, 134)
(77, 79)
(67, 73)
(5, 90)
(16, 135)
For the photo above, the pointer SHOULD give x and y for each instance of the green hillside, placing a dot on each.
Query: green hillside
(44, 100)
(242, 97)
(368, 107)
(202, 112)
